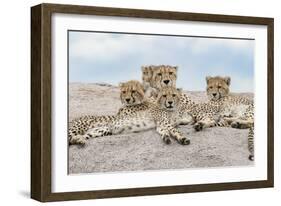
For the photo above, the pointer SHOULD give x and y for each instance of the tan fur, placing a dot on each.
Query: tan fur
(147, 73)
(131, 90)
(236, 111)
(139, 117)
(217, 87)
(164, 76)
(169, 98)
(132, 93)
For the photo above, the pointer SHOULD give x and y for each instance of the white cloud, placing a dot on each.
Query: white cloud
(108, 47)
(106, 50)
(203, 45)
(99, 46)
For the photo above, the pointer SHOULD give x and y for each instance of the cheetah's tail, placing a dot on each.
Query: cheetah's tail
(251, 143)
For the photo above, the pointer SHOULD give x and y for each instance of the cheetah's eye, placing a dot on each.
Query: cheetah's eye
(123, 92)
(164, 95)
(159, 74)
(133, 91)
(170, 73)
(174, 95)
(219, 87)
(211, 87)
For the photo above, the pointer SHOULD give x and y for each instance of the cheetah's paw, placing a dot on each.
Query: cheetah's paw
(184, 141)
(198, 126)
(167, 140)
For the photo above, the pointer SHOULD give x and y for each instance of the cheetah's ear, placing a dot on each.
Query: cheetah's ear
(155, 94)
(176, 68)
(208, 79)
(227, 80)
(141, 87)
(143, 68)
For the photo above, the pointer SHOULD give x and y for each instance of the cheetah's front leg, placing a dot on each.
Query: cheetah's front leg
(164, 133)
(242, 124)
(239, 123)
(167, 130)
(204, 123)
(77, 139)
(179, 136)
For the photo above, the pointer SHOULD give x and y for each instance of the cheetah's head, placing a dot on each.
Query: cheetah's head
(168, 98)
(164, 76)
(147, 72)
(132, 93)
(217, 87)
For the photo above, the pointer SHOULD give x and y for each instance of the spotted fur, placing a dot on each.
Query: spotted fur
(236, 111)
(131, 94)
(161, 114)
(156, 77)
(164, 76)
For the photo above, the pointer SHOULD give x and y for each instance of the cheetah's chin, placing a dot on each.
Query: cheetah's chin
(170, 108)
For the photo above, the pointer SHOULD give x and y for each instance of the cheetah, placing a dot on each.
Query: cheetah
(202, 114)
(157, 76)
(161, 115)
(223, 109)
(147, 73)
(131, 94)
(235, 111)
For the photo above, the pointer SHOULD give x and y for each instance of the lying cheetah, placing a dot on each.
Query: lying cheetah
(131, 94)
(223, 109)
(236, 111)
(161, 115)
(156, 77)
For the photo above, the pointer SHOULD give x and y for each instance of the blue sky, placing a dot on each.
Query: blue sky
(113, 58)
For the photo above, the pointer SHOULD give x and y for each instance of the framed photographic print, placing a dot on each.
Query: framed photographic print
(130, 102)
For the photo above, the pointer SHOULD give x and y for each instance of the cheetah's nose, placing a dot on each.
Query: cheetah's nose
(214, 94)
(166, 81)
(127, 100)
(170, 102)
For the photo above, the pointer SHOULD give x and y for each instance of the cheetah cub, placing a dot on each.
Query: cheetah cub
(161, 115)
(157, 76)
(147, 73)
(145, 115)
(236, 111)
(131, 94)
